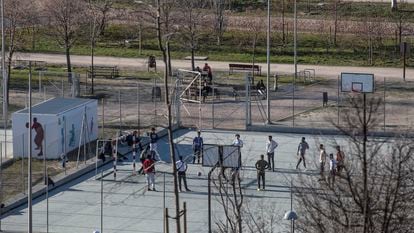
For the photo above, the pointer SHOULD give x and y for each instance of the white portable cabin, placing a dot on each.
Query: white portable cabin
(66, 122)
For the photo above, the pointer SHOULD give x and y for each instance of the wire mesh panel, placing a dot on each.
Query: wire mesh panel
(210, 155)
(231, 156)
(221, 155)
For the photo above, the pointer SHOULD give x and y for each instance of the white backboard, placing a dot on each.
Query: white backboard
(357, 82)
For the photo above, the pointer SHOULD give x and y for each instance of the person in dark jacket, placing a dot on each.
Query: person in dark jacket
(153, 144)
(261, 166)
(302, 148)
(197, 147)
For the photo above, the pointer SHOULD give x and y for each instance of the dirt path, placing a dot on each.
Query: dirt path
(140, 63)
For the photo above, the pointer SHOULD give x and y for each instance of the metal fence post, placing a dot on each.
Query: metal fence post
(167, 227)
(385, 86)
(185, 216)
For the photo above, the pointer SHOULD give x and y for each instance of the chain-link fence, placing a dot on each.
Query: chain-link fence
(320, 103)
(305, 102)
(133, 102)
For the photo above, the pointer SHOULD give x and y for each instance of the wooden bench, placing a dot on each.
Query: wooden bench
(255, 68)
(197, 58)
(103, 71)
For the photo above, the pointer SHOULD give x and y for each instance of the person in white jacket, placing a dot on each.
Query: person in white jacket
(271, 146)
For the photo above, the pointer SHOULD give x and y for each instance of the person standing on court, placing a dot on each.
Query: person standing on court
(332, 170)
(181, 170)
(149, 170)
(143, 156)
(271, 145)
(340, 157)
(153, 143)
(197, 147)
(239, 143)
(261, 166)
(302, 147)
(322, 160)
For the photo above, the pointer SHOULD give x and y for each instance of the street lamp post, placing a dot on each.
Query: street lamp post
(29, 158)
(294, 61)
(3, 69)
(291, 215)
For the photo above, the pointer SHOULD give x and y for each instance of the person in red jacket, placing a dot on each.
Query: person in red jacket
(207, 69)
(149, 170)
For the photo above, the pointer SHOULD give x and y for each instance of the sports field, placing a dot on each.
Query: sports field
(128, 207)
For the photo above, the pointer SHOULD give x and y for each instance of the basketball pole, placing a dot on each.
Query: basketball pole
(268, 121)
(102, 177)
(365, 170)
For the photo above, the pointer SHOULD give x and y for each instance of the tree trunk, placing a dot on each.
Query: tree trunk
(254, 56)
(336, 21)
(283, 22)
(400, 30)
(192, 59)
(33, 38)
(9, 62)
(68, 64)
(167, 61)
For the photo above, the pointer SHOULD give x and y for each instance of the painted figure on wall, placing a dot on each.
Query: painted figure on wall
(62, 124)
(72, 136)
(38, 140)
(91, 128)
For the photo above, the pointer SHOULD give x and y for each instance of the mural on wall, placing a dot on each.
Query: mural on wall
(38, 139)
(72, 136)
(62, 134)
(91, 128)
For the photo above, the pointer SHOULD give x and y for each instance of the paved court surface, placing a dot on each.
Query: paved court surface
(127, 207)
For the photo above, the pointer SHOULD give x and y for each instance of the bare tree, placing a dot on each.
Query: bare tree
(163, 22)
(400, 18)
(374, 193)
(68, 19)
(191, 20)
(231, 198)
(19, 15)
(98, 16)
(255, 28)
(220, 19)
(260, 217)
(336, 4)
(281, 6)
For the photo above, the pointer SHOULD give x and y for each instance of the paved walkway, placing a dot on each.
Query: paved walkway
(127, 207)
(140, 63)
